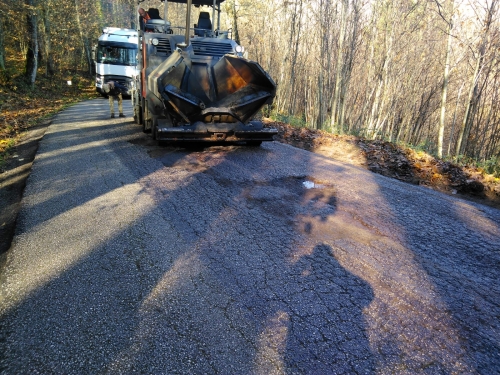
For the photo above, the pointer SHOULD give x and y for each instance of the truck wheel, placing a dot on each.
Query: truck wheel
(146, 124)
(137, 115)
(154, 128)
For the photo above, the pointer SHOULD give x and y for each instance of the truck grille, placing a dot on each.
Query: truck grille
(164, 47)
(211, 49)
(119, 79)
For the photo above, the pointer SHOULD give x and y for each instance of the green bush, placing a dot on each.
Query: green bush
(294, 121)
(492, 166)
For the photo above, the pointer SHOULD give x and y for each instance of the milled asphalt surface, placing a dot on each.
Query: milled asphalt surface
(133, 258)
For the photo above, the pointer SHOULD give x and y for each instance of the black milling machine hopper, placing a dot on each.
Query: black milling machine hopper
(198, 86)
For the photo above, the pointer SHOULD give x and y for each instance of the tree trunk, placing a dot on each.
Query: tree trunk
(32, 52)
(348, 66)
(84, 39)
(444, 89)
(49, 59)
(454, 118)
(321, 119)
(236, 34)
(296, 37)
(465, 128)
(339, 66)
(473, 92)
(2, 46)
(375, 112)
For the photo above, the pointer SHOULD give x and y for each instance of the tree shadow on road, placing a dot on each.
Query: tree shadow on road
(449, 254)
(326, 329)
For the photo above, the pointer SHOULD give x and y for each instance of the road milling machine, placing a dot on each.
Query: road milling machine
(194, 83)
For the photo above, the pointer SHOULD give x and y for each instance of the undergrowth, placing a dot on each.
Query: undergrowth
(490, 166)
(23, 106)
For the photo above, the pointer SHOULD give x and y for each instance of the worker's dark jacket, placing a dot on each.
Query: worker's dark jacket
(117, 89)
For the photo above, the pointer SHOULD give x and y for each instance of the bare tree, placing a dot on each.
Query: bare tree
(446, 74)
(2, 42)
(474, 93)
(47, 39)
(32, 51)
(340, 64)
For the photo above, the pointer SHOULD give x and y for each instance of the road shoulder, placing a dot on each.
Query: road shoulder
(13, 180)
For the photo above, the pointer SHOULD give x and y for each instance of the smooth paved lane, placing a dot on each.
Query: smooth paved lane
(134, 258)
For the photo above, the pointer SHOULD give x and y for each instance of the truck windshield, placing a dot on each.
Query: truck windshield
(116, 55)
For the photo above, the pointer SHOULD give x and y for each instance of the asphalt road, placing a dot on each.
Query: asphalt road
(133, 258)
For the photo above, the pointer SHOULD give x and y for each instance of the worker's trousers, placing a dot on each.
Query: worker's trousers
(112, 105)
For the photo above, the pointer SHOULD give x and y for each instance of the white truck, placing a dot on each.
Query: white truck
(115, 57)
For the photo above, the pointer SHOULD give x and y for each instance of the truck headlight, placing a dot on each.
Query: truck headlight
(155, 41)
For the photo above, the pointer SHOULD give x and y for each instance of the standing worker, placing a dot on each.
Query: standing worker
(144, 16)
(115, 90)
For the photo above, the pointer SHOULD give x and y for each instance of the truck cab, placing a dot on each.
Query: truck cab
(115, 57)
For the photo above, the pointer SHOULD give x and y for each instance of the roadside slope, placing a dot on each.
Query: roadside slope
(391, 160)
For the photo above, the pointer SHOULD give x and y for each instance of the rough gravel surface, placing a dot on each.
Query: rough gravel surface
(134, 258)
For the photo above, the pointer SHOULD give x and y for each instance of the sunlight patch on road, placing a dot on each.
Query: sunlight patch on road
(408, 324)
(476, 219)
(46, 255)
(271, 345)
(61, 182)
(188, 265)
(185, 267)
(407, 321)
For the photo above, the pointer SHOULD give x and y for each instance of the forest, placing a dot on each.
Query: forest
(416, 72)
